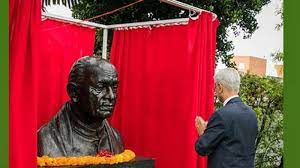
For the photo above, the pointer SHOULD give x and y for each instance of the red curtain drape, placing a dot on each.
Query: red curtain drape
(24, 22)
(62, 45)
(166, 79)
(202, 49)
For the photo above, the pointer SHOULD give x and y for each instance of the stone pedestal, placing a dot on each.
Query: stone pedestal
(138, 162)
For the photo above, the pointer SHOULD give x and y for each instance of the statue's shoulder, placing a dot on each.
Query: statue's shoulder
(115, 132)
(47, 129)
(108, 126)
(55, 122)
(50, 135)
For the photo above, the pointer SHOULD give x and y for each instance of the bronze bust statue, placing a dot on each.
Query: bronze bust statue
(80, 127)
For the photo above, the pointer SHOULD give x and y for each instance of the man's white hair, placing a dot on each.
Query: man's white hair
(229, 78)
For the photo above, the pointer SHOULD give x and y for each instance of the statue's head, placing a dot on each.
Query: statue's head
(92, 88)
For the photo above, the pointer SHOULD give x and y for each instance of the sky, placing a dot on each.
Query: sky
(264, 41)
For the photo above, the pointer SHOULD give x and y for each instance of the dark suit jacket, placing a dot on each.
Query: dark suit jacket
(229, 139)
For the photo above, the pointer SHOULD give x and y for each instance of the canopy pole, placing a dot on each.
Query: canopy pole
(148, 23)
(104, 44)
(114, 26)
(72, 20)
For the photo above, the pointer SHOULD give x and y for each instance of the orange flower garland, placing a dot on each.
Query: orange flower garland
(126, 156)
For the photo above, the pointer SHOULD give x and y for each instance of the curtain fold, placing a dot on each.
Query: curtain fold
(166, 79)
(24, 31)
(202, 36)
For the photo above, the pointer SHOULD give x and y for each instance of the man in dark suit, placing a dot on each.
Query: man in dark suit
(228, 138)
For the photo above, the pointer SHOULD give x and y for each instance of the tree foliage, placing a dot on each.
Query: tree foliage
(279, 12)
(277, 56)
(238, 15)
(265, 96)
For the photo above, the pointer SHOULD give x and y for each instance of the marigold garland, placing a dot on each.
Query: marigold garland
(126, 156)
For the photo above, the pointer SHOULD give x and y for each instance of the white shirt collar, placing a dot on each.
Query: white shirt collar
(229, 98)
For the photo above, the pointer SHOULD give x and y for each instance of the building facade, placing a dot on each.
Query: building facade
(251, 64)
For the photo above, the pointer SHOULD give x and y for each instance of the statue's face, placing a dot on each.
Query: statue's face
(99, 94)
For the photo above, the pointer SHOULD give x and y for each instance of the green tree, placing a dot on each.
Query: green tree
(265, 96)
(238, 15)
(278, 55)
(279, 11)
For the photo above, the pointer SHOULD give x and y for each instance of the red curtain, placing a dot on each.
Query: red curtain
(24, 22)
(202, 49)
(62, 45)
(166, 79)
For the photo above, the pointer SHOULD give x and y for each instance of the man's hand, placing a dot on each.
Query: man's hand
(200, 125)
